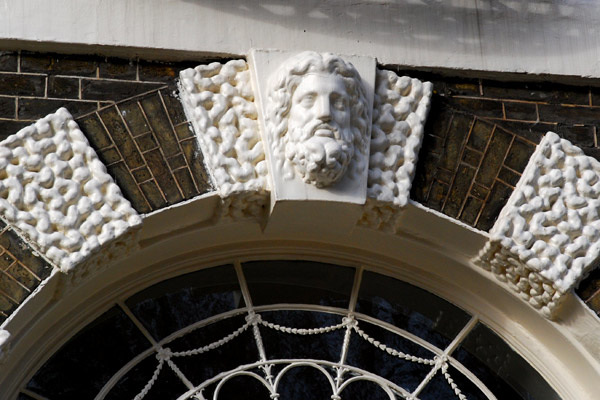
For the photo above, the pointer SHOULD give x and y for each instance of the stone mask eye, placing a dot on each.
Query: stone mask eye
(307, 100)
(339, 102)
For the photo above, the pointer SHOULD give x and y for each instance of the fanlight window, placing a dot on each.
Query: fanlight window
(285, 330)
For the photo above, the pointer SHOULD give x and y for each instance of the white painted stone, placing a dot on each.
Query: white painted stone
(400, 109)
(548, 234)
(57, 193)
(316, 117)
(219, 101)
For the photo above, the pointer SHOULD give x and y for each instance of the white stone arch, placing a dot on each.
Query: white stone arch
(429, 251)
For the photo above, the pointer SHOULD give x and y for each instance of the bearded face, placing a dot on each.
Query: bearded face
(319, 137)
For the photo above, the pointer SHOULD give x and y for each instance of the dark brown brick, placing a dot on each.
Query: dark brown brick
(109, 156)
(22, 85)
(569, 114)
(8, 127)
(159, 122)
(184, 131)
(129, 187)
(12, 289)
(194, 158)
(186, 183)
(146, 142)
(426, 170)
(582, 136)
(536, 91)
(461, 87)
(459, 129)
(163, 177)
(508, 176)
(590, 285)
(590, 151)
(10, 241)
(39, 108)
(530, 131)
(480, 134)
(62, 87)
(437, 195)
(438, 126)
(471, 210)
(7, 307)
(494, 157)
(480, 108)
(159, 72)
(594, 303)
(471, 157)
(498, 198)
(444, 176)
(23, 276)
(459, 190)
(94, 130)
(133, 116)
(8, 107)
(121, 137)
(152, 193)
(176, 162)
(6, 261)
(118, 68)
(58, 64)
(98, 89)
(519, 154)
(520, 111)
(174, 107)
(141, 174)
(433, 144)
(595, 96)
(481, 192)
(8, 61)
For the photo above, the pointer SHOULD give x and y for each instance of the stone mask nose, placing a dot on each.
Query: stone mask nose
(323, 110)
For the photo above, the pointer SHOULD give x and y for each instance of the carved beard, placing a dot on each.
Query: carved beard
(319, 159)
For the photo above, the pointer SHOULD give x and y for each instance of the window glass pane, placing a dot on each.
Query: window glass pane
(500, 368)
(238, 351)
(280, 345)
(240, 388)
(178, 302)
(404, 373)
(299, 282)
(410, 308)
(364, 390)
(439, 388)
(168, 386)
(305, 383)
(83, 365)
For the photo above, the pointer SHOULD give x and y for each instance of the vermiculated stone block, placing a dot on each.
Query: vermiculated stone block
(547, 237)
(69, 206)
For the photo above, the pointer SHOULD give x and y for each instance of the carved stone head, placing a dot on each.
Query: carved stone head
(318, 118)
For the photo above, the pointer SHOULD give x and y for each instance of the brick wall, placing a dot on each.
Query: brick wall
(478, 139)
(481, 133)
